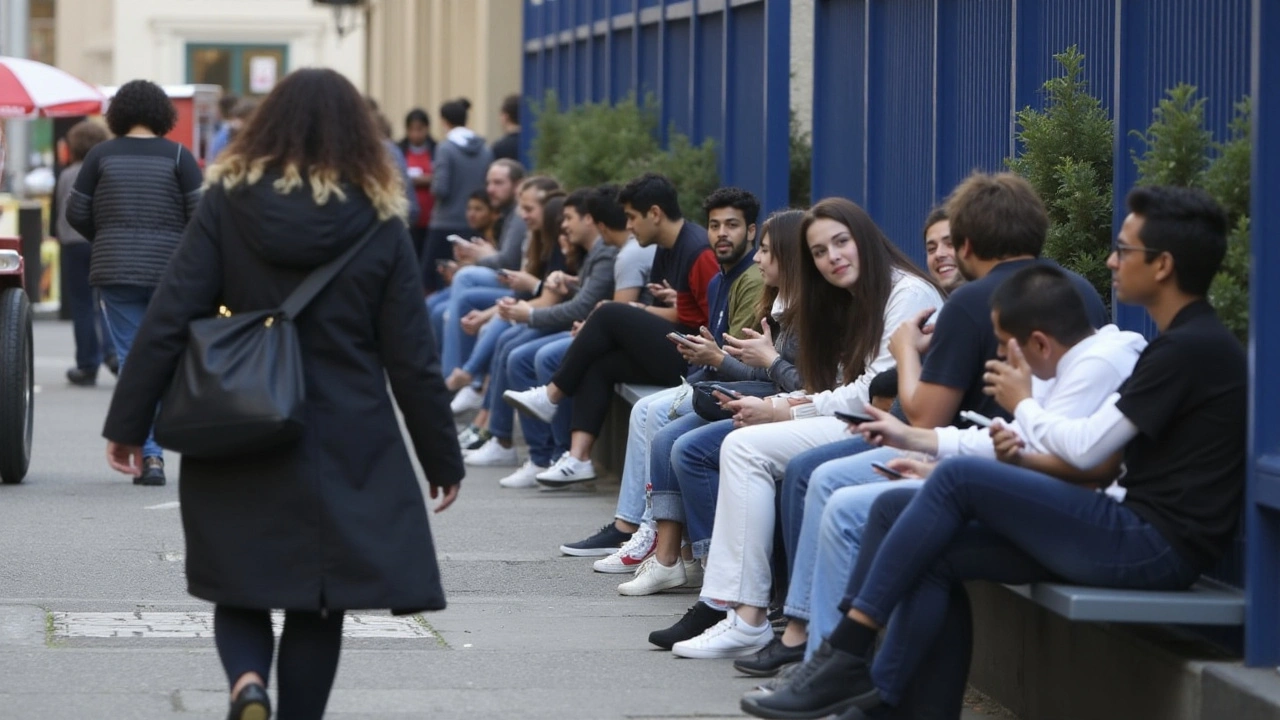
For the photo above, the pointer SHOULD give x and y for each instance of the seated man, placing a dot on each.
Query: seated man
(1180, 432)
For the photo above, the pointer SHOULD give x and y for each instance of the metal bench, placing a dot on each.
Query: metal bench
(1206, 603)
(633, 393)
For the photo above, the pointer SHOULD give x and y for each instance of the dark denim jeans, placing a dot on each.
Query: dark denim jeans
(535, 364)
(978, 519)
(93, 343)
(502, 415)
(124, 307)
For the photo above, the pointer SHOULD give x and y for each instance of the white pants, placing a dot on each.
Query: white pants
(752, 459)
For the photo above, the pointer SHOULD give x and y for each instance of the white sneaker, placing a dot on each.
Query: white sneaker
(729, 638)
(533, 402)
(629, 556)
(567, 471)
(492, 454)
(522, 478)
(693, 573)
(653, 577)
(466, 401)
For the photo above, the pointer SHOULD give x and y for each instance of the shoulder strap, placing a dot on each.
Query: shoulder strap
(311, 286)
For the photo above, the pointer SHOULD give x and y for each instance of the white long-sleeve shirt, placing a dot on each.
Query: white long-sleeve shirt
(1090, 372)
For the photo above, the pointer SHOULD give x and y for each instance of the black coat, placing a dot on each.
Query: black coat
(337, 520)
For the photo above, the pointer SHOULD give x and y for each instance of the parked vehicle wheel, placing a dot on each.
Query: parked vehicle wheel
(17, 381)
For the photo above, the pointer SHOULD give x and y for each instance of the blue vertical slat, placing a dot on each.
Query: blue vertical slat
(677, 75)
(744, 140)
(710, 61)
(622, 54)
(900, 119)
(775, 106)
(973, 110)
(1262, 521)
(582, 71)
(839, 84)
(1046, 28)
(650, 54)
(728, 89)
(599, 68)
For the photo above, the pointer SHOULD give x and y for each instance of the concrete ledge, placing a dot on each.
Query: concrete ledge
(1044, 667)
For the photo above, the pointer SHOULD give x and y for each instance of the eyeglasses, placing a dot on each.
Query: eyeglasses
(1120, 249)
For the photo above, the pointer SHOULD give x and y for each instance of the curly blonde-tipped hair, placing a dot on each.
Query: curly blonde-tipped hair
(314, 128)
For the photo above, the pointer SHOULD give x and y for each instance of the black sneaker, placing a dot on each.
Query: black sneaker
(81, 377)
(606, 540)
(831, 682)
(696, 621)
(770, 660)
(152, 472)
(113, 365)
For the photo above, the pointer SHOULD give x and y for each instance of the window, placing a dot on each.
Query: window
(246, 70)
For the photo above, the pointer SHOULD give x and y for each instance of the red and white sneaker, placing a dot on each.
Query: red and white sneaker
(629, 556)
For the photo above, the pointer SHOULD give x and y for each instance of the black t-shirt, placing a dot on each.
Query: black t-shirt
(1188, 397)
(964, 339)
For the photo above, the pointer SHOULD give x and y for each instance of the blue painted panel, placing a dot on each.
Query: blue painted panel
(650, 3)
(1048, 27)
(599, 70)
(710, 61)
(974, 113)
(600, 9)
(900, 119)
(678, 68)
(746, 133)
(565, 74)
(839, 80)
(582, 12)
(582, 72)
(532, 17)
(622, 6)
(620, 65)
(650, 37)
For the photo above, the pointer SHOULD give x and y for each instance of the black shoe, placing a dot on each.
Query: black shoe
(82, 378)
(770, 660)
(252, 703)
(152, 472)
(113, 365)
(606, 540)
(697, 620)
(831, 682)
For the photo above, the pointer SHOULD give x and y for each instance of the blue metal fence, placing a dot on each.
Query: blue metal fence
(719, 69)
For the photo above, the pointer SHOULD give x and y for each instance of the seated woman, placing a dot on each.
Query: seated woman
(857, 281)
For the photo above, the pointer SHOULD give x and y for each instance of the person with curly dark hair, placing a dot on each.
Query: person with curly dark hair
(132, 200)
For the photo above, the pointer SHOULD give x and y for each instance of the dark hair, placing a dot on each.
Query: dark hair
(884, 385)
(545, 240)
(82, 137)
(514, 169)
(843, 328)
(482, 196)
(578, 200)
(648, 190)
(314, 126)
(226, 102)
(511, 108)
(1189, 225)
(1000, 215)
(454, 112)
(936, 215)
(602, 204)
(785, 245)
(141, 102)
(733, 197)
(417, 115)
(1043, 298)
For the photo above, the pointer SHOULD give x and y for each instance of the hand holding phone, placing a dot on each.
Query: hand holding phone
(887, 471)
(726, 391)
(457, 239)
(681, 338)
(854, 418)
(976, 419)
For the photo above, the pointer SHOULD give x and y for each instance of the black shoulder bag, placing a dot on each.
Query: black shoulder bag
(239, 387)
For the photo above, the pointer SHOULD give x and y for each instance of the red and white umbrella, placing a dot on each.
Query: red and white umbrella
(33, 89)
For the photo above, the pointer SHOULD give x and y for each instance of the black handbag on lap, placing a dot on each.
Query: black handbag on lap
(239, 386)
(708, 409)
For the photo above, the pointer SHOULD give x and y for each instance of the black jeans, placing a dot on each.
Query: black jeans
(309, 649)
(618, 344)
(92, 342)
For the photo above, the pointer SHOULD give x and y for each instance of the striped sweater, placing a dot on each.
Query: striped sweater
(132, 200)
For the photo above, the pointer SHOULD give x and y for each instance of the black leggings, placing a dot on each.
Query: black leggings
(309, 648)
(618, 344)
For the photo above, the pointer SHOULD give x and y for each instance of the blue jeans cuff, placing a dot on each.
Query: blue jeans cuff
(668, 506)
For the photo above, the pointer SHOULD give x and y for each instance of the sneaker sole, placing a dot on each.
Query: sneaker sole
(526, 409)
(559, 483)
(615, 569)
(750, 705)
(650, 591)
(700, 654)
(587, 552)
(762, 672)
(516, 486)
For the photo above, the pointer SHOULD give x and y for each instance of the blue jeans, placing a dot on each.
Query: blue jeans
(437, 304)
(501, 415)
(522, 374)
(546, 363)
(93, 343)
(815, 476)
(124, 307)
(978, 519)
(695, 460)
(649, 416)
(481, 361)
(474, 288)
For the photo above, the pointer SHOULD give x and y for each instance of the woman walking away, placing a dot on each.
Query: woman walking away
(334, 521)
(132, 200)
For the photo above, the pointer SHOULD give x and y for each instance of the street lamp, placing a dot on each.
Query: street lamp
(346, 14)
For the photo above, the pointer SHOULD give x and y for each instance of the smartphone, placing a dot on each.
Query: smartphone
(854, 418)
(726, 391)
(681, 338)
(885, 469)
(975, 418)
(458, 239)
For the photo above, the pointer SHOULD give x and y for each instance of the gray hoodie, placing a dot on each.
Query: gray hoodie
(459, 165)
